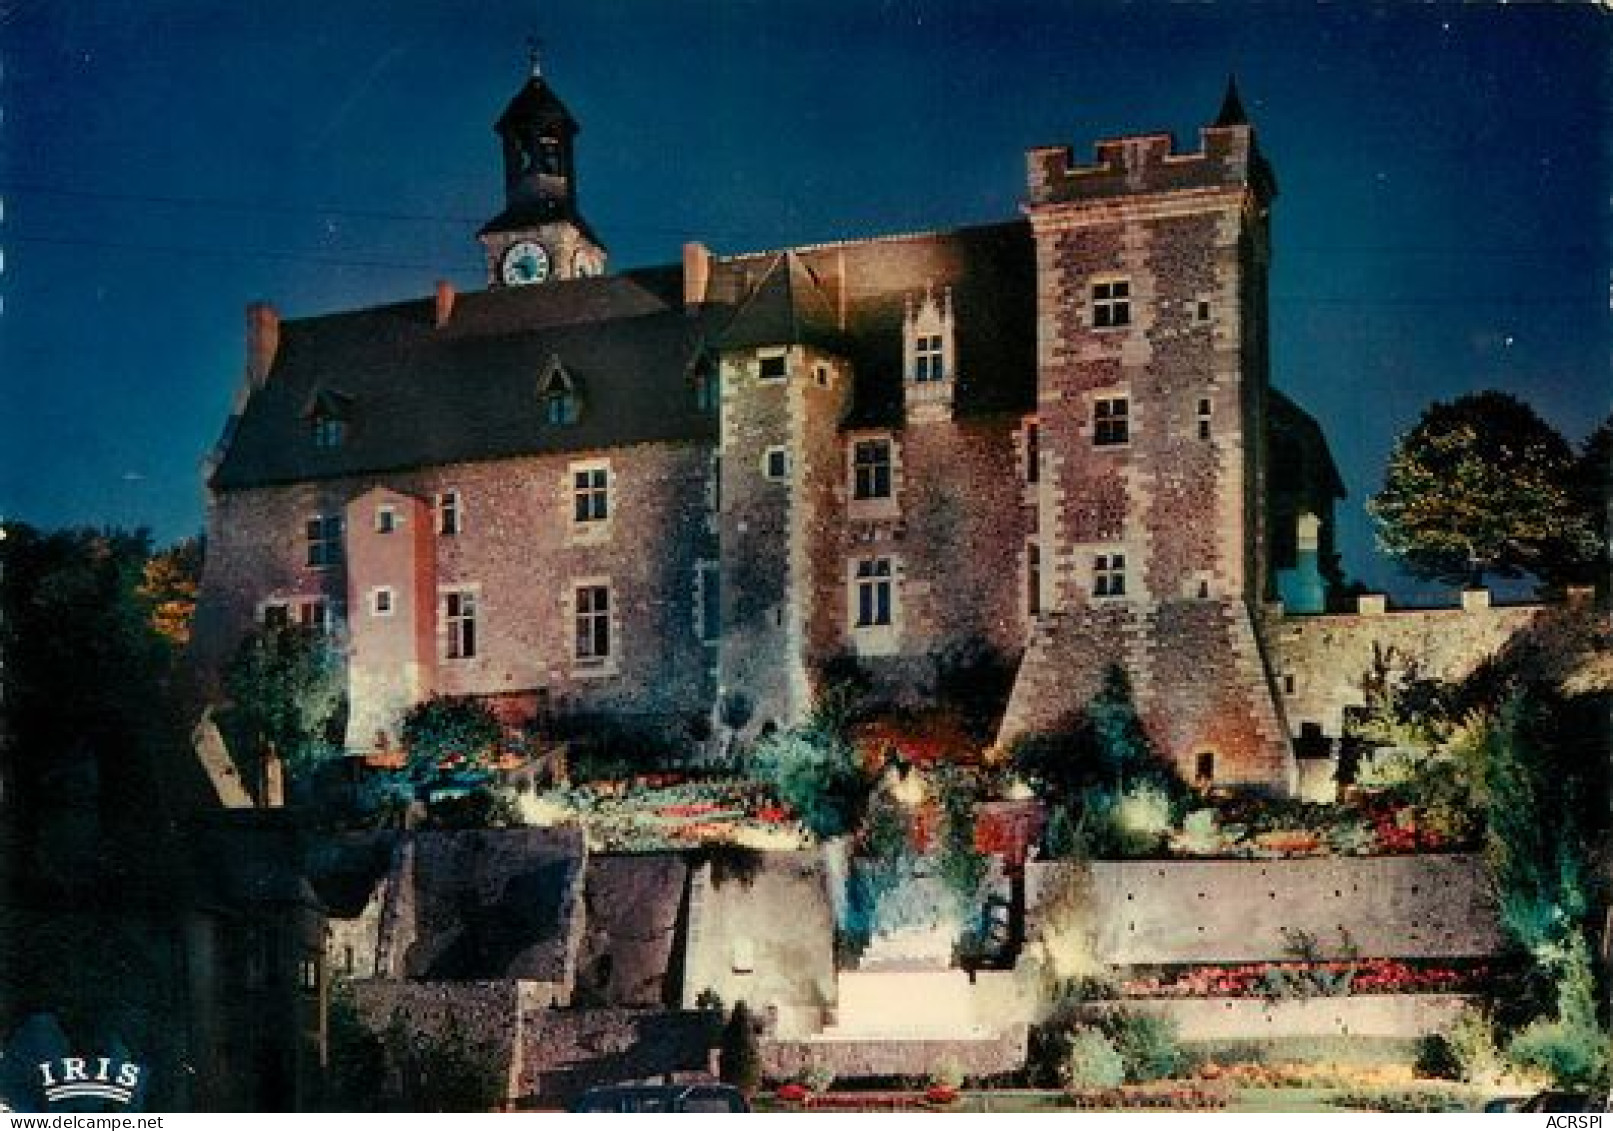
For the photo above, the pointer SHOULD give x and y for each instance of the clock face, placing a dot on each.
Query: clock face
(525, 261)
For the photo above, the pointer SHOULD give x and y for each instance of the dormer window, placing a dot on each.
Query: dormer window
(327, 413)
(929, 358)
(927, 329)
(562, 404)
(707, 388)
(929, 355)
(329, 431)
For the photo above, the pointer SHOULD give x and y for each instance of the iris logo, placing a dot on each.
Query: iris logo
(79, 1078)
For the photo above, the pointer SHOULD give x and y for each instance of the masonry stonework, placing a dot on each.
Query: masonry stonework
(636, 495)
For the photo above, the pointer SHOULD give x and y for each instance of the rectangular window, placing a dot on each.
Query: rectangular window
(774, 368)
(873, 592)
(324, 540)
(593, 624)
(871, 469)
(1204, 418)
(776, 464)
(277, 615)
(929, 358)
(450, 513)
(1203, 311)
(1109, 575)
(590, 489)
(709, 578)
(459, 618)
(317, 615)
(308, 975)
(386, 520)
(1033, 453)
(1033, 579)
(381, 601)
(1111, 304)
(1111, 421)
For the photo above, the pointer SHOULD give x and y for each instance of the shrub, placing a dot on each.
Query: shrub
(818, 1077)
(444, 728)
(1571, 1048)
(947, 1074)
(1092, 1063)
(740, 1055)
(1466, 1051)
(1148, 1044)
(1134, 823)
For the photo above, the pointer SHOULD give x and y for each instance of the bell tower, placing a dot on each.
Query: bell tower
(540, 236)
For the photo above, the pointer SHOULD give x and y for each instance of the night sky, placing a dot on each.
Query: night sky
(1442, 224)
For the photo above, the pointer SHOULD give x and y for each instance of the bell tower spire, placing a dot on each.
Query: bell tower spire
(540, 235)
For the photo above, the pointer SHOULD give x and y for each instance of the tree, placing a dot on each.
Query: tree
(169, 582)
(1592, 487)
(1481, 486)
(740, 1056)
(287, 686)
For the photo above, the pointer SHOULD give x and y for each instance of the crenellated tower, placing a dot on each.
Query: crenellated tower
(1152, 377)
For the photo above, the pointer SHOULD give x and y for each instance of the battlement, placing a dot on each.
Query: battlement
(1149, 163)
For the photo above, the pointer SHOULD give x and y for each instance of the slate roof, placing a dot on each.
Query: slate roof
(991, 273)
(1304, 444)
(423, 396)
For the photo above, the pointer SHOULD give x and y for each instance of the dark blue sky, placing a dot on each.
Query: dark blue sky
(1442, 224)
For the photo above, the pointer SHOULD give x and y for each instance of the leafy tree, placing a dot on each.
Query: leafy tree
(95, 769)
(287, 687)
(1592, 487)
(1481, 485)
(170, 581)
(447, 729)
(740, 1054)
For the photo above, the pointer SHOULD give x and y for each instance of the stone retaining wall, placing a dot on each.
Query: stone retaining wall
(1400, 1016)
(1157, 912)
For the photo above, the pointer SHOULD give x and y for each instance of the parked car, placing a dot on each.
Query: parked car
(704, 1098)
(1564, 1102)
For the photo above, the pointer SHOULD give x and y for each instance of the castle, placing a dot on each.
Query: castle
(677, 494)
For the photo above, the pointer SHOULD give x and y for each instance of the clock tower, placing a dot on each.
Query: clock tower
(540, 236)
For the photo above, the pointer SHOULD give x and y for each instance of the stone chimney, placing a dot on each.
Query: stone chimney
(696, 273)
(445, 302)
(262, 341)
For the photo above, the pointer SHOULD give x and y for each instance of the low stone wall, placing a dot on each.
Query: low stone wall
(862, 1059)
(485, 1013)
(1396, 1016)
(1319, 661)
(565, 1052)
(1159, 912)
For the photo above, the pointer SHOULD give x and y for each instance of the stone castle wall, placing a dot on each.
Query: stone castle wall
(521, 553)
(1320, 662)
(1180, 498)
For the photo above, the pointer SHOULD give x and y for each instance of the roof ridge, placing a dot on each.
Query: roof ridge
(891, 237)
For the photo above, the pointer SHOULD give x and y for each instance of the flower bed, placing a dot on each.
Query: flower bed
(1317, 979)
(1183, 1098)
